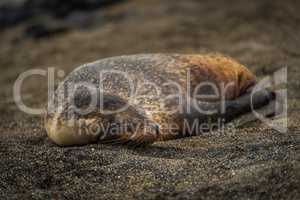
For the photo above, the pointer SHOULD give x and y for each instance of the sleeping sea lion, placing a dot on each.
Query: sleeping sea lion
(141, 99)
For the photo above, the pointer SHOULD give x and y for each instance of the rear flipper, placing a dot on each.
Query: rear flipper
(268, 110)
(262, 101)
(249, 102)
(275, 109)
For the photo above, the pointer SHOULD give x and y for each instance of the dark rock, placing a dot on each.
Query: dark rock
(79, 19)
(40, 30)
(10, 16)
(15, 12)
(59, 8)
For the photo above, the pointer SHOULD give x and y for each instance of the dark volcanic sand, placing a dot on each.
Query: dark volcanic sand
(254, 163)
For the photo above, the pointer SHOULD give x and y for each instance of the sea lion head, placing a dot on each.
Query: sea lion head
(111, 118)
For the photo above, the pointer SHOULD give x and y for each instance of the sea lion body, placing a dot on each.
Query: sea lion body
(143, 92)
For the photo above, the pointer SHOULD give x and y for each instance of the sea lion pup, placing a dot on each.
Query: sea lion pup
(140, 99)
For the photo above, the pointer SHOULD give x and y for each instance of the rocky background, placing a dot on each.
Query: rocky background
(254, 163)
